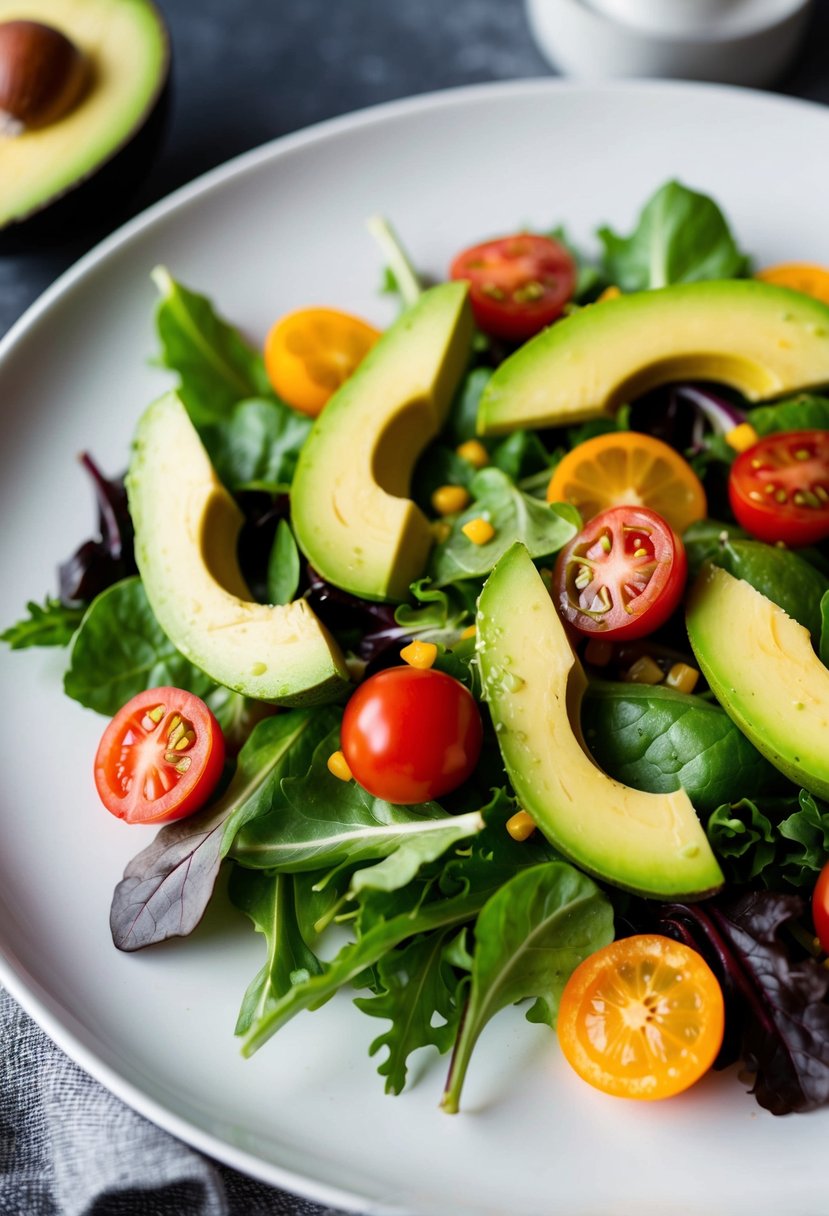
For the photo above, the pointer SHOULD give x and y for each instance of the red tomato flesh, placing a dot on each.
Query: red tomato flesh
(409, 735)
(779, 488)
(820, 908)
(622, 576)
(160, 757)
(517, 284)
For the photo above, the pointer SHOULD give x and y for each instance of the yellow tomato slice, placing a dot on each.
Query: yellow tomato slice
(309, 353)
(624, 468)
(641, 1018)
(804, 277)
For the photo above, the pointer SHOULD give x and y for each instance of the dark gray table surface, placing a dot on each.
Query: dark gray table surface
(248, 71)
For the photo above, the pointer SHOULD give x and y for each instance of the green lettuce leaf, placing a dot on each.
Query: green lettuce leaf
(782, 842)
(681, 237)
(256, 445)
(805, 412)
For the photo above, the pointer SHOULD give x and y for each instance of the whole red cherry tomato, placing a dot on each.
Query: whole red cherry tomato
(622, 576)
(409, 735)
(779, 488)
(160, 757)
(517, 284)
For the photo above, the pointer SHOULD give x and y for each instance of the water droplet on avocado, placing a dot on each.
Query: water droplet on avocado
(258, 669)
(512, 682)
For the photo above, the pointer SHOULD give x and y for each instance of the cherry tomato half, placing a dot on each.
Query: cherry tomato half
(642, 1018)
(622, 576)
(779, 488)
(410, 734)
(517, 284)
(626, 467)
(820, 908)
(309, 353)
(160, 757)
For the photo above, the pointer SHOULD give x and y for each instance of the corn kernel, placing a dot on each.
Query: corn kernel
(682, 677)
(448, 500)
(479, 531)
(440, 530)
(598, 652)
(419, 654)
(474, 452)
(520, 826)
(742, 437)
(469, 632)
(609, 293)
(644, 671)
(338, 766)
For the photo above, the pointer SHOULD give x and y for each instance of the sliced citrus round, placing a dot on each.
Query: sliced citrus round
(805, 277)
(626, 468)
(642, 1018)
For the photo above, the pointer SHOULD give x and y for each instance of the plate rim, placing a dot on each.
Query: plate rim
(57, 1022)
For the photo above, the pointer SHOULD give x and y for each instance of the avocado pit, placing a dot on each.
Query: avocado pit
(43, 75)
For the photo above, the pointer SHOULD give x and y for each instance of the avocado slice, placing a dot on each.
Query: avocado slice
(349, 505)
(125, 47)
(186, 527)
(765, 674)
(652, 844)
(762, 340)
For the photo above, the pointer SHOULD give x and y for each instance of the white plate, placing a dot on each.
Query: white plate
(279, 228)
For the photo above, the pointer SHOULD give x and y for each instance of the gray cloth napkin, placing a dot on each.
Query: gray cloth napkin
(69, 1148)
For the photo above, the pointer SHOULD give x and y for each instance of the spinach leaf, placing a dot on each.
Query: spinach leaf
(705, 539)
(515, 516)
(780, 575)
(522, 455)
(681, 237)
(283, 566)
(463, 413)
(658, 739)
(529, 938)
(256, 445)
(824, 629)
(321, 822)
(777, 1001)
(50, 624)
(439, 466)
(805, 412)
(270, 902)
(781, 842)
(216, 366)
(589, 278)
(418, 992)
(120, 649)
(166, 888)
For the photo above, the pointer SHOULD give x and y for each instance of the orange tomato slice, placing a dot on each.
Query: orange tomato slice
(625, 468)
(311, 352)
(805, 277)
(641, 1018)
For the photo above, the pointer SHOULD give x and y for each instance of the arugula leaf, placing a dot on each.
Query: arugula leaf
(515, 516)
(283, 566)
(824, 629)
(805, 412)
(321, 822)
(780, 841)
(680, 237)
(52, 624)
(166, 888)
(417, 983)
(658, 739)
(216, 366)
(529, 938)
(120, 649)
(270, 902)
(438, 617)
(256, 445)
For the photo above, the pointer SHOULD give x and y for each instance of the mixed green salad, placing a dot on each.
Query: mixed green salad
(509, 655)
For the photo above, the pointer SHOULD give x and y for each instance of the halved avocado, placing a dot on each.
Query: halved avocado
(125, 48)
(762, 340)
(765, 674)
(186, 528)
(349, 498)
(652, 844)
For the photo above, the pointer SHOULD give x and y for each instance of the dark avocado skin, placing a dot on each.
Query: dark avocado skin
(101, 200)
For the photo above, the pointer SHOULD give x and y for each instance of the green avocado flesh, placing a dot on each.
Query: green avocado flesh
(652, 844)
(765, 674)
(126, 47)
(186, 528)
(762, 340)
(349, 499)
